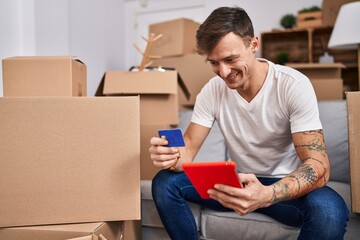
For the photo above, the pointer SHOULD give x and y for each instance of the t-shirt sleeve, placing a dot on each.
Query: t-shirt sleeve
(204, 109)
(304, 111)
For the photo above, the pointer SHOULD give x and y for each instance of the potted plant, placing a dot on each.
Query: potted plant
(288, 21)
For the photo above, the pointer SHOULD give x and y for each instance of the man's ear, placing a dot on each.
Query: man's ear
(255, 43)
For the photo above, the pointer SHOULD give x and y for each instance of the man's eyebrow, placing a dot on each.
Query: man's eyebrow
(227, 57)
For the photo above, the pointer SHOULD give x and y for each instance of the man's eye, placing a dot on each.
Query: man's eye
(212, 62)
(230, 60)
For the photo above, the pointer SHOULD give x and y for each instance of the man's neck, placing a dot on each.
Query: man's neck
(256, 82)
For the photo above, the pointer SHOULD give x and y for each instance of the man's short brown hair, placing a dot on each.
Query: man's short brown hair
(220, 22)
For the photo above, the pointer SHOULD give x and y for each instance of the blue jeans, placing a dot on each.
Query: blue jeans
(321, 214)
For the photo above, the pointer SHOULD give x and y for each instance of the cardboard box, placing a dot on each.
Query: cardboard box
(193, 70)
(158, 93)
(147, 169)
(328, 89)
(69, 160)
(132, 230)
(43, 76)
(83, 231)
(330, 9)
(325, 78)
(179, 37)
(353, 109)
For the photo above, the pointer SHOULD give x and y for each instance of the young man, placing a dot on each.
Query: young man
(269, 117)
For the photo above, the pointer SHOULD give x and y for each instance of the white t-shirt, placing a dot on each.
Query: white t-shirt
(258, 134)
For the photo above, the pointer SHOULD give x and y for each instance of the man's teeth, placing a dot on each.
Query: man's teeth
(232, 76)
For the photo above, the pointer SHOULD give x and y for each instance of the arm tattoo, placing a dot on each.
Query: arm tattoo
(314, 159)
(316, 144)
(282, 191)
(320, 131)
(311, 174)
(305, 173)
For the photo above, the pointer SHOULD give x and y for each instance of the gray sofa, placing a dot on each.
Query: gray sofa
(223, 226)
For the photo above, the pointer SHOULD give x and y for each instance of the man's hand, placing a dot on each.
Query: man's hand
(243, 200)
(163, 157)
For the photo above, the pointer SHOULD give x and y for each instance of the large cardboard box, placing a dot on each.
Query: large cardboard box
(69, 160)
(158, 93)
(193, 70)
(353, 108)
(83, 231)
(179, 37)
(43, 76)
(325, 78)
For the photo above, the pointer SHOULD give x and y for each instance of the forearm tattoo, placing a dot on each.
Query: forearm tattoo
(306, 177)
(280, 193)
(304, 174)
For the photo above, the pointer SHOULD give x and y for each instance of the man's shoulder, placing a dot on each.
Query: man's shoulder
(287, 72)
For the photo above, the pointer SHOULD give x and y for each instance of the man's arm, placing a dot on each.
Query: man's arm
(165, 157)
(314, 171)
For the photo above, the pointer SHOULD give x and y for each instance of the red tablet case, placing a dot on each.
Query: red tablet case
(204, 175)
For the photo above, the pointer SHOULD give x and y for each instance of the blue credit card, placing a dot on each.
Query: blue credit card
(174, 137)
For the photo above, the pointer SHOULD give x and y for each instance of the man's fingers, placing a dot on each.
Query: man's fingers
(246, 178)
(158, 141)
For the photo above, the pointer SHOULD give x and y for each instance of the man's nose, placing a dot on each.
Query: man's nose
(223, 70)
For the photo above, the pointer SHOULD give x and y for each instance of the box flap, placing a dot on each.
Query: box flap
(81, 231)
(183, 87)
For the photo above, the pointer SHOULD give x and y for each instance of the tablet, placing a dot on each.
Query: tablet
(204, 175)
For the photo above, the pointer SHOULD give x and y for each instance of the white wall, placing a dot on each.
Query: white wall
(91, 30)
(10, 22)
(94, 30)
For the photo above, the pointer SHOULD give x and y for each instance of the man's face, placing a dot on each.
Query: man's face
(233, 61)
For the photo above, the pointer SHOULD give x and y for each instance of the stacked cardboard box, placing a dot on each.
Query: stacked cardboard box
(178, 37)
(43, 76)
(325, 78)
(177, 48)
(194, 71)
(66, 159)
(159, 107)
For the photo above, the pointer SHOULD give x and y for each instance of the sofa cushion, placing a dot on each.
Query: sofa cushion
(333, 115)
(150, 216)
(230, 225)
(214, 148)
(154, 233)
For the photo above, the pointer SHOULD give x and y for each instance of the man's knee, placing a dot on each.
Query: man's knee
(327, 213)
(159, 184)
(165, 184)
(326, 202)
